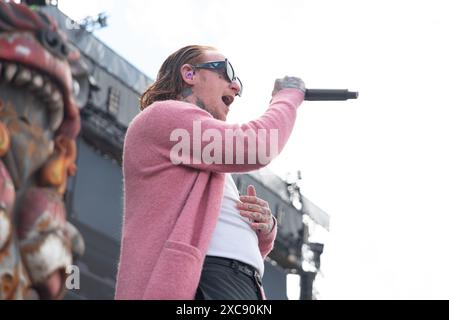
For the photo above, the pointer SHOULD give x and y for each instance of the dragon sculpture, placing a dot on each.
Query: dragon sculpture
(39, 123)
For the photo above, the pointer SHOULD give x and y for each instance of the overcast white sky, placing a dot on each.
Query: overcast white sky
(378, 165)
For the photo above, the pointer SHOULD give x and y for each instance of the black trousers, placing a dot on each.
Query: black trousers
(228, 279)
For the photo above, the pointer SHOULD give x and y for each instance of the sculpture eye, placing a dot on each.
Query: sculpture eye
(53, 42)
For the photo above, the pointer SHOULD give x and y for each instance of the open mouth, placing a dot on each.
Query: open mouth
(38, 83)
(227, 100)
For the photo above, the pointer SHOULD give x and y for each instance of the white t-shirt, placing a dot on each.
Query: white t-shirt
(233, 237)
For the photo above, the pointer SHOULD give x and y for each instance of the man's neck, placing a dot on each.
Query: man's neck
(188, 96)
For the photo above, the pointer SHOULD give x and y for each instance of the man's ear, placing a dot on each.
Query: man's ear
(188, 74)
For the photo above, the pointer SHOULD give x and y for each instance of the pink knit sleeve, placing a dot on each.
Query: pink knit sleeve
(190, 136)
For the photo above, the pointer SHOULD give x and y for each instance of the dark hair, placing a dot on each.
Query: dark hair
(169, 83)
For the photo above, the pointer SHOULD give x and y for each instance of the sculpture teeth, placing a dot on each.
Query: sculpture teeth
(47, 90)
(56, 117)
(41, 85)
(56, 100)
(51, 146)
(37, 82)
(58, 104)
(10, 71)
(56, 96)
(22, 77)
(5, 228)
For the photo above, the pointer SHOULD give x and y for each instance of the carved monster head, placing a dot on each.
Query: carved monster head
(37, 103)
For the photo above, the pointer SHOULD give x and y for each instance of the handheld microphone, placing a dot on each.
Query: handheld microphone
(330, 94)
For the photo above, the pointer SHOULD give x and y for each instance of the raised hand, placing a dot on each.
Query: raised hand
(288, 82)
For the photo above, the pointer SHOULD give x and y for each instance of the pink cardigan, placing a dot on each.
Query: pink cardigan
(170, 211)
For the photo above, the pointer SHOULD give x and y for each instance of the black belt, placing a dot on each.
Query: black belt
(236, 265)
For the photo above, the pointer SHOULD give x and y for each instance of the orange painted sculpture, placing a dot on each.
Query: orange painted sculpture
(39, 122)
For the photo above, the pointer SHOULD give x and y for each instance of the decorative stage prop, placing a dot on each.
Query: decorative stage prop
(39, 122)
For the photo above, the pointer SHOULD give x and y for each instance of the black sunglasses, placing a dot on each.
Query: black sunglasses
(224, 66)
